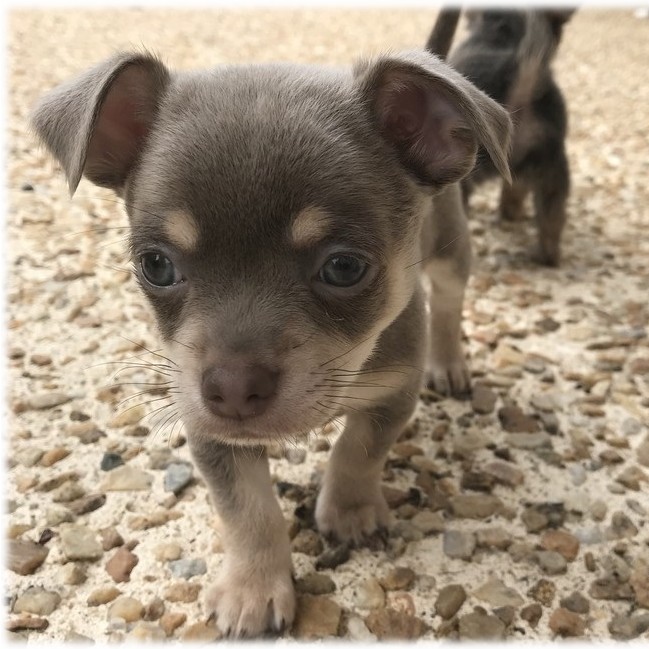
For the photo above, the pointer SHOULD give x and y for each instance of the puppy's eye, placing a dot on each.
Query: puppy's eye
(342, 271)
(159, 270)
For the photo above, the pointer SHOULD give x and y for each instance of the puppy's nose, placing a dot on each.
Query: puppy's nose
(238, 392)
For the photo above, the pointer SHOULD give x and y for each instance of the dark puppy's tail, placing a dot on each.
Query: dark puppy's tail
(441, 38)
(536, 50)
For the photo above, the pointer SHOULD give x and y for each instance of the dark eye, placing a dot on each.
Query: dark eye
(159, 270)
(342, 270)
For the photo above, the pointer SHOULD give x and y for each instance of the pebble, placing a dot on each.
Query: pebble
(552, 563)
(316, 616)
(611, 589)
(170, 551)
(127, 608)
(103, 595)
(496, 593)
(598, 510)
(307, 542)
(127, 478)
(111, 461)
(68, 491)
(295, 455)
(528, 441)
(505, 473)
(54, 455)
(110, 538)
(25, 557)
(400, 578)
(160, 458)
(120, 565)
(577, 474)
(628, 627)
(27, 623)
(177, 476)
(632, 477)
(493, 538)
(79, 543)
(483, 400)
(146, 632)
(333, 557)
(429, 522)
(357, 630)
(480, 626)
(47, 400)
(532, 614)
(154, 609)
(406, 531)
(562, 542)
(475, 505)
(589, 535)
(449, 600)
(128, 417)
(28, 457)
(622, 527)
(639, 580)
(315, 583)
(514, 420)
(187, 568)
(87, 504)
(390, 624)
(169, 622)
(201, 632)
(642, 452)
(543, 592)
(458, 544)
(576, 603)
(182, 591)
(37, 601)
(73, 574)
(566, 624)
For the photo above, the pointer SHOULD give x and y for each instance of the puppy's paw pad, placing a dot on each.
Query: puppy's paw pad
(451, 379)
(351, 522)
(249, 606)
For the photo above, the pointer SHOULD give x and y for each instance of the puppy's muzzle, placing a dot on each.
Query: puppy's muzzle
(239, 391)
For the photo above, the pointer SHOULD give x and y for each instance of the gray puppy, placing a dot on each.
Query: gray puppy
(281, 216)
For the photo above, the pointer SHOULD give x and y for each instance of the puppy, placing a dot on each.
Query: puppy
(508, 54)
(281, 216)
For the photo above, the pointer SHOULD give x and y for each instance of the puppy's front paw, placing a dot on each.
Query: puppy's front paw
(350, 517)
(248, 602)
(450, 379)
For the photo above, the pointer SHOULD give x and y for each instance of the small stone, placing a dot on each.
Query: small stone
(370, 594)
(333, 557)
(628, 627)
(201, 632)
(29, 457)
(513, 420)
(483, 400)
(129, 417)
(169, 622)
(154, 609)
(552, 563)
(127, 608)
(566, 623)
(182, 591)
(295, 455)
(428, 522)
(505, 473)
(357, 630)
(177, 476)
(87, 504)
(110, 538)
(68, 492)
(622, 526)
(477, 481)
(314, 583)
(111, 461)
(78, 543)
(167, 551)
(449, 600)
(399, 578)
(307, 542)
(475, 505)
(543, 591)
(639, 580)
(598, 510)
(389, 624)
(160, 458)
(127, 478)
(16, 530)
(559, 541)
(187, 568)
(27, 623)
(505, 614)
(610, 588)
(25, 557)
(120, 565)
(407, 531)
(480, 626)
(576, 603)
(458, 544)
(496, 593)
(589, 535)
(532, 614)
(642, 452)
(528, 441)
(73, 574)
(103, 595)
(54, 455)
(632, 477)
(146, 632)
(521, 551)
(493, 538)
(316, 616)
(577, 474)
(37, 601)
(47, 400)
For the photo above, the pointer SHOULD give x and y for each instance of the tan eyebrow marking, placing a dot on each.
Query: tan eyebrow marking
(309, 226)
(181, 229)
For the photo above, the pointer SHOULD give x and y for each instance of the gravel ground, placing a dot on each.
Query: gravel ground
(522, 514)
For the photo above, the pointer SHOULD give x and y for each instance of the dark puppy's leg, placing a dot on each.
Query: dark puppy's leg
(512, 199)
(254, 590)
(551, 189)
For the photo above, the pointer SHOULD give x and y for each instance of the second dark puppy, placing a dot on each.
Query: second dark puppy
(508, 55)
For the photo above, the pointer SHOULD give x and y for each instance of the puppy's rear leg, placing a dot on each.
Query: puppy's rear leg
(512, 198)
(551, 191)
(254, 592)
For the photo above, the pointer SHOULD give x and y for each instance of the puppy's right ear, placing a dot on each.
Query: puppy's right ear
(96, 124)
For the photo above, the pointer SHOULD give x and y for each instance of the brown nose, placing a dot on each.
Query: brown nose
(238, 392)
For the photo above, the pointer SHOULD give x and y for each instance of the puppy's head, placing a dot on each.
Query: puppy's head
(275, 213)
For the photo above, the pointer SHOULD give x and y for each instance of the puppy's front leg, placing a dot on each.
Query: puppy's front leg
(254, 593)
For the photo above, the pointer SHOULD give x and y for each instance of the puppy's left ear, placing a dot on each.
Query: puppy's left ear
(433, 117)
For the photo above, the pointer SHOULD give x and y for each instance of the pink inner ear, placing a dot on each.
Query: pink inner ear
(404, 111)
